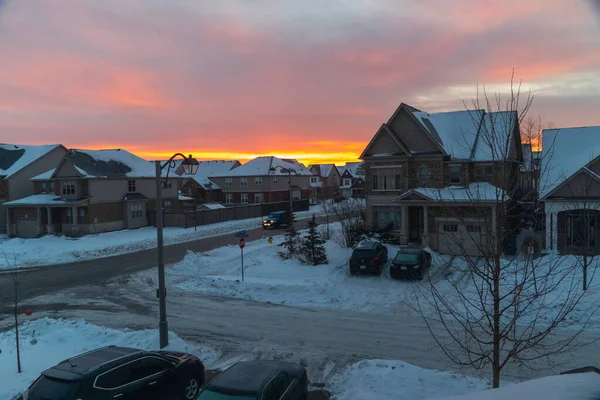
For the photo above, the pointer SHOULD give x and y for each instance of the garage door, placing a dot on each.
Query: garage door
(460, 238)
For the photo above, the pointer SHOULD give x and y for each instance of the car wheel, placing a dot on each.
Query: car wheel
(191, 389)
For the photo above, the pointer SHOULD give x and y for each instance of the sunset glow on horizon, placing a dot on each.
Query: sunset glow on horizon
(307, 80)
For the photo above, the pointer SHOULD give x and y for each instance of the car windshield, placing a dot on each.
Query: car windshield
(362, 253)
(406, 257)
(53, 389)
(210, 395)
(273, 216)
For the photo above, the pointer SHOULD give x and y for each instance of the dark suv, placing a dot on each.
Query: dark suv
(120, 373)
(410, 263)
(368, 257)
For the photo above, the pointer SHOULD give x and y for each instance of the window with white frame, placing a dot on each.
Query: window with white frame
(275, 180)
(244, 198)
(258, 198)
(43, 187)
(228, 182)
(296, 195)
(68, 188)
(137, 211)
(313, 179)
(385, 217)
(131, 185)
(168, 204)
(244, 181)
(258, 180)
(228, 198)
(51, 187)
(347, 182)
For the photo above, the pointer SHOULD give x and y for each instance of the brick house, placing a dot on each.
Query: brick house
(326, 181)
(570, 189)
(19, 163)
(199, 188)
(352, 182)
(261, 181)
(90, 191)
(426, 172)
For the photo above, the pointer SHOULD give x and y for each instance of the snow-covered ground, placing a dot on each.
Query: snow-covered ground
(46, 342)
(49, 250)
(385, 380)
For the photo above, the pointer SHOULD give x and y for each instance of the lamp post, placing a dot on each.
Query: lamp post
(190, 166)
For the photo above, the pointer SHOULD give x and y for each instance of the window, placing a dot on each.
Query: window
(228, 198)
(81, 216)
(244, 198)
(423, 175)
(275, 180)
(375, 182)
(455, 174)
(581, 229)
(347, 182)
(244, 181)
(68, 188)
(228, 182)
(258, 198)
(137, 210)
(51, 187)
(168, 204)
(258, 180)
(397, 182)
(131, 186)
(69, 214)
(313, 180)
(450, 228)
(474, 228)
(296, 195)
(146, 368)
(277, 387)
(114, 378)
(43, 187)
(387, 218)
(45, 388)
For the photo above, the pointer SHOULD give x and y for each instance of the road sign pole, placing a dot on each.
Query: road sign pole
(242, 264)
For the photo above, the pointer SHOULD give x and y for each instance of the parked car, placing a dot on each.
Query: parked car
(410, 263)
(259, 380)
(368, 256)
(276, 219)
(120, 373)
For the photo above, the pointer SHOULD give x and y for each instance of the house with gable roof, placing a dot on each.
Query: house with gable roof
(423, 171)
(199, 188)
(570, 189)
(352, 180)
(19, 163)
(261, 180)
(325, 183)
(90, 191)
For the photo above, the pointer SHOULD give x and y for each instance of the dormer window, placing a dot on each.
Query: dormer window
(455, 174)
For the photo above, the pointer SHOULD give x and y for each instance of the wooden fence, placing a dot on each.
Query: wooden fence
(190, 218)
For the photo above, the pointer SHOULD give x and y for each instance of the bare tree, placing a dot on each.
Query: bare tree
(327, 206)
(351, 215)
(495, 311)
(16, 275)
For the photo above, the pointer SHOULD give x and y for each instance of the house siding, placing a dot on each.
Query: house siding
(109, 217)
(411, 134)
(582, 186)
(384, 144)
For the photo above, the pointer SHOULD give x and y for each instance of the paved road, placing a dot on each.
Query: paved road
(44, 280)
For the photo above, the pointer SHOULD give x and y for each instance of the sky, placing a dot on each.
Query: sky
(312, 80)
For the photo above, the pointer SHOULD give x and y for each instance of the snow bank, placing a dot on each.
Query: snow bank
(46, 342)
(560, 387)
(385, 380)
(49, 250)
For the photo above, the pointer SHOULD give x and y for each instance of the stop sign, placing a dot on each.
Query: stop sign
(242, 243)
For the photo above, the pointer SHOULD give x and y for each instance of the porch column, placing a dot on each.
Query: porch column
(74, 215)
(50, 227)
(554, 223)
(425, 239)
(39, 219)
(404, 231)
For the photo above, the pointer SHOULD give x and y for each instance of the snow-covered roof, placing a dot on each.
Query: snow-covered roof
(182, 197)
(210, 168)
(564, 152)
(43, 177)
(15, 157)
(269, 165)
(353, 168)
(557, 387)
(475, 192)
(214, 206)
(41, 199)
(474, 135)
(117, 163)
(324, 169)
(205, 182)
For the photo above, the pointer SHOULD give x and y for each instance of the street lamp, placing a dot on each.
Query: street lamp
(190, 166)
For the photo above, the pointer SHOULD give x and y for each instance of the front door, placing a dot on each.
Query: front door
(415, 223)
